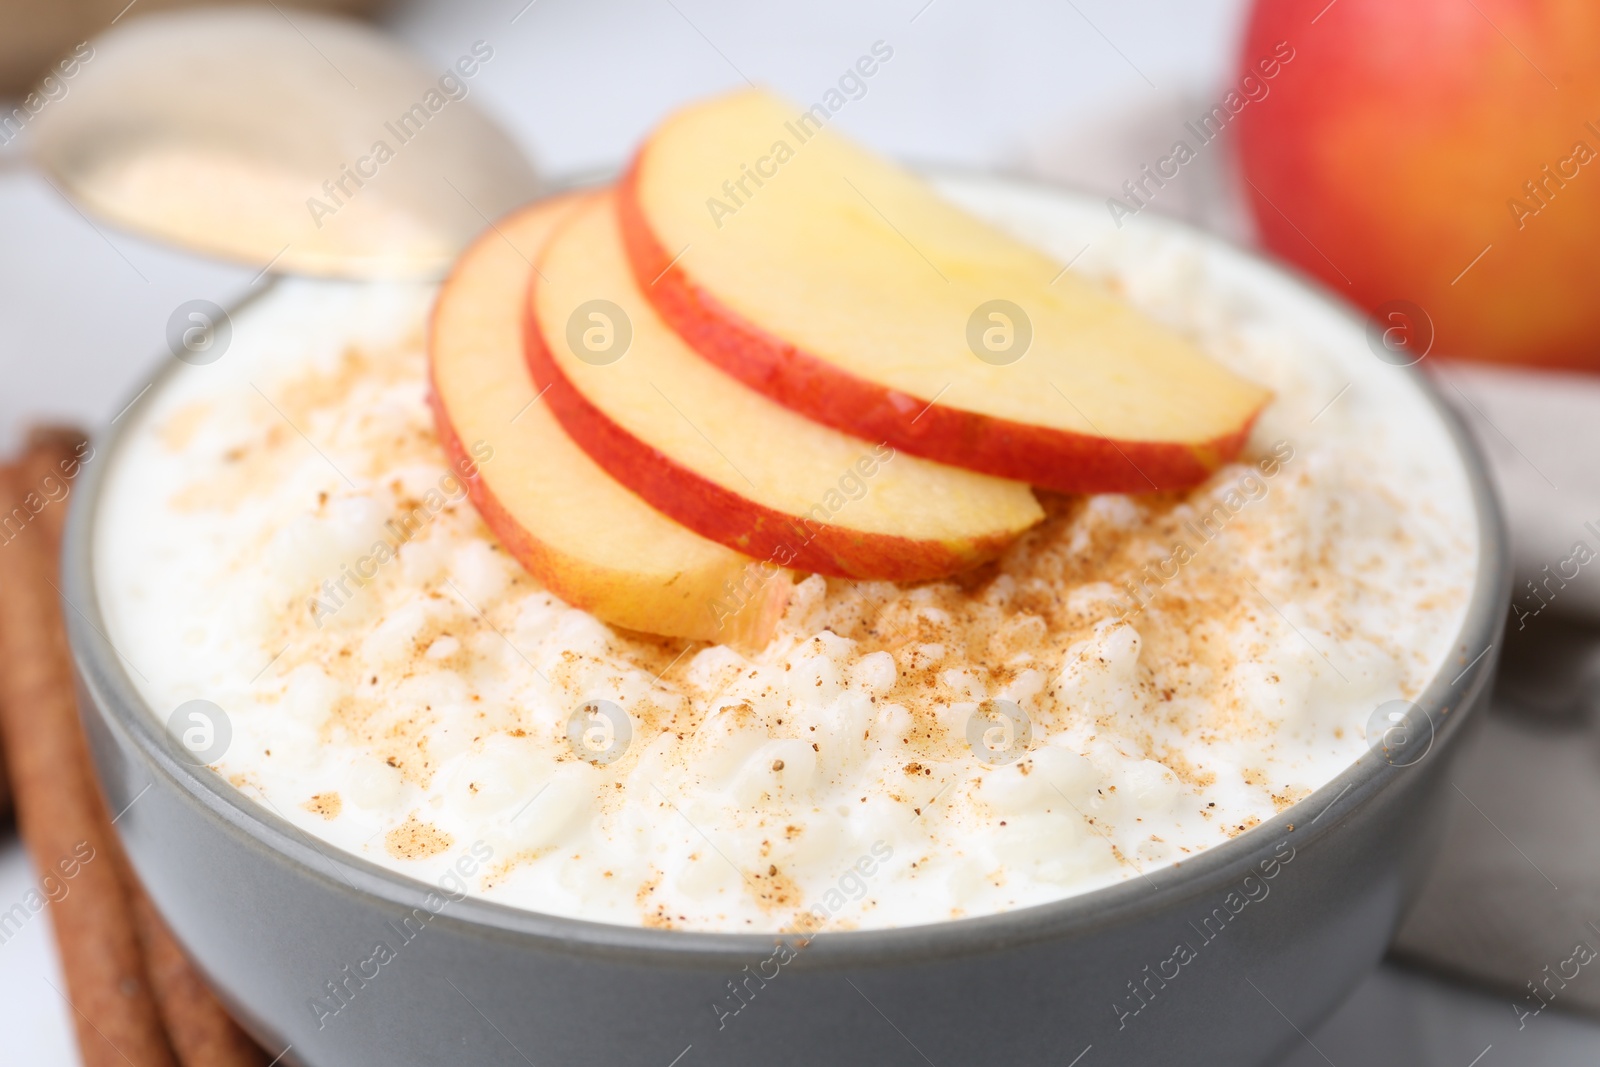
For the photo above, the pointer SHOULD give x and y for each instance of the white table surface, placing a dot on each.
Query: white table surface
(1061, 89)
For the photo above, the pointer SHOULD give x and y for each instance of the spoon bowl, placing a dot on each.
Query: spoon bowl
(288, 140)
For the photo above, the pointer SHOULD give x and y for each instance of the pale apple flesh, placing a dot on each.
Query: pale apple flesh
(725, 460)
(585, 537)
(846, 289)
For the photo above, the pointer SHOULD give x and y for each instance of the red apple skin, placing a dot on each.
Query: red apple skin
(521, 545)
(585, 587)
(1049, 458)
(1389, 150)
(717, 514)
(612, 596)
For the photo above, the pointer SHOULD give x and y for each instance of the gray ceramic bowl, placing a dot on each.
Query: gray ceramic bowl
(1278, 923)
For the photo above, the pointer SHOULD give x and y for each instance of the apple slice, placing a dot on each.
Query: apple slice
(724, 460)
(589, 540)
(846, 289)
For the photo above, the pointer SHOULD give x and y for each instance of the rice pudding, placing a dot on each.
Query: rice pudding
(1134, 680)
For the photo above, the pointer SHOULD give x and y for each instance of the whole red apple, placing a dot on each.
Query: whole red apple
(1444, 153)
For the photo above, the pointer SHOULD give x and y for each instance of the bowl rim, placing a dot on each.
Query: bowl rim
(252, 824)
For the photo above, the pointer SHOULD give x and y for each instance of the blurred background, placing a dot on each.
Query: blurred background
(1425, 159)
(1018, 86)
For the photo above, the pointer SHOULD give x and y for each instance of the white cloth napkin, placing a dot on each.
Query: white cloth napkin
(1541, 432)
(1513, 900)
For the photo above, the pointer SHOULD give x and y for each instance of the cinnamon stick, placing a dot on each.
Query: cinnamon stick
(199, 1029)
(58, 809)
(5, 786)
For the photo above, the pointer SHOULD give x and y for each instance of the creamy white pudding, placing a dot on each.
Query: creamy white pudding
(281, 535)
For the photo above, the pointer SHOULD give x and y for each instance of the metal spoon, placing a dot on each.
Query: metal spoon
(290, 141)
